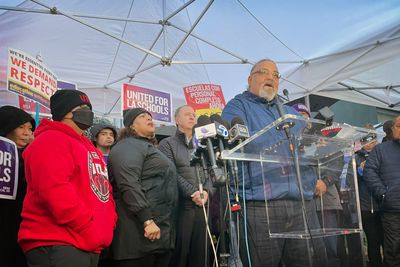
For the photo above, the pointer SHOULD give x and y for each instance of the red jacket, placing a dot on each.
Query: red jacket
(69, 198)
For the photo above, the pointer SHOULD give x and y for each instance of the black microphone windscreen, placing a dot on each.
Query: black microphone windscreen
(237, 120)
(226, 124)
(286, 92)
(216, 118)
(203, 120)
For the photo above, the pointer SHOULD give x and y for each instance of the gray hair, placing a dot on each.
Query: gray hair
(179, 110)
(259, 62)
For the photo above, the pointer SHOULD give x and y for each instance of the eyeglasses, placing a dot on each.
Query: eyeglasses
(266, 72)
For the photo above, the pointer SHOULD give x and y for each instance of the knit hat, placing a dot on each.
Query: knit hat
(12, 117)
(300, 107)
(130, 115)
(97, 128)
(63, 101)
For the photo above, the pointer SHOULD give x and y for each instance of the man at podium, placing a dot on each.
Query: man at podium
(258, 107)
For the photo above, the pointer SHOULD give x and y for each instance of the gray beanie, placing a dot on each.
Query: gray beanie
(95, 130)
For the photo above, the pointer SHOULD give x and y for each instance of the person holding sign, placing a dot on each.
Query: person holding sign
(68, 215)
(146, 194)
(16, 125)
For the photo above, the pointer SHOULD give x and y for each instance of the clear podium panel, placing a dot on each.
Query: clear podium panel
(308, 175)
(315, 199)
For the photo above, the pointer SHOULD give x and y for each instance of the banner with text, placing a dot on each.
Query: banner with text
(30, 106)
(28, 77)
(156, 102)
(205, 99)
(8, 169)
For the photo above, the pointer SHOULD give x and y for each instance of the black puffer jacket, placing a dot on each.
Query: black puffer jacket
(146, 183)
(177, 149)
(382, 174)
(367, 200)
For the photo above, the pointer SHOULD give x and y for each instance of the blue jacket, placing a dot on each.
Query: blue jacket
(280, 179)
(382, 174)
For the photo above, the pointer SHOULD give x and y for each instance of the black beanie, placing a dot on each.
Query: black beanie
(63, 101)
(131, 114)
(12, 117)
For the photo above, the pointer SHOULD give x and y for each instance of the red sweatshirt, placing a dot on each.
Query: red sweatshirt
(69, 199)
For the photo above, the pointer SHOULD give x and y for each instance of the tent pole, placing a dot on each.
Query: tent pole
(307, 102)
(55, 10)
(192, 28)
(178, 10)
(344, 67)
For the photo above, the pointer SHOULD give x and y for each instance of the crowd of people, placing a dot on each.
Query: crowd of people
(122, 199)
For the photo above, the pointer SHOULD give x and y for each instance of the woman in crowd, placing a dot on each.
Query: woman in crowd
(145, 182)
(16, 125)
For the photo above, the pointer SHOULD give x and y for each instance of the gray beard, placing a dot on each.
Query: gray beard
(268, 95)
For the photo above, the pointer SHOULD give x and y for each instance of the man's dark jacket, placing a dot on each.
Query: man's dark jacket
(178, 150)
(382, 174)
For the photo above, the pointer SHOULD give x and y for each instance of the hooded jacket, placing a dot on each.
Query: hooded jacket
(280, 181)
(68, 200)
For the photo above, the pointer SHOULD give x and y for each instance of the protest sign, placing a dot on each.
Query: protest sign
(205, 99)
(156, 102)
(8, 169)
(28, 77)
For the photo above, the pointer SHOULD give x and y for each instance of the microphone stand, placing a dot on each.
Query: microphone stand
(206, 178)
(285, 126)
(223, 198)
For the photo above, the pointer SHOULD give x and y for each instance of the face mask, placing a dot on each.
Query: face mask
(83, 118)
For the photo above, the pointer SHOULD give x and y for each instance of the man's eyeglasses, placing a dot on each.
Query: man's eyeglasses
(266, 72)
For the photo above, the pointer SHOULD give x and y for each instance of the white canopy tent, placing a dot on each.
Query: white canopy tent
(321, 48)
(365, 73)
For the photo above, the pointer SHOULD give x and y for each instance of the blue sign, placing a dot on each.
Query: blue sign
(8, 169)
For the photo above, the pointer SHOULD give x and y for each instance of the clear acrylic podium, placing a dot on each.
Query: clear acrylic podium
(290, 170)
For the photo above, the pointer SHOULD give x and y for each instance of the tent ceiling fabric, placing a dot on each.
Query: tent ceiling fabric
(312, 53)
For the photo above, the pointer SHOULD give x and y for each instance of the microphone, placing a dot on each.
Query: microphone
(207, 131)
(285, 125)
(286, 93)
(222, 132)
(208, 128)
(238, 131)
(197, 160)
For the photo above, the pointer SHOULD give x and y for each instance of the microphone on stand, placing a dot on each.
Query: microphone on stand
(238, 131)
(286, 93)
(206, 132)
(285, 125)
(222, 131)
(196, 161)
